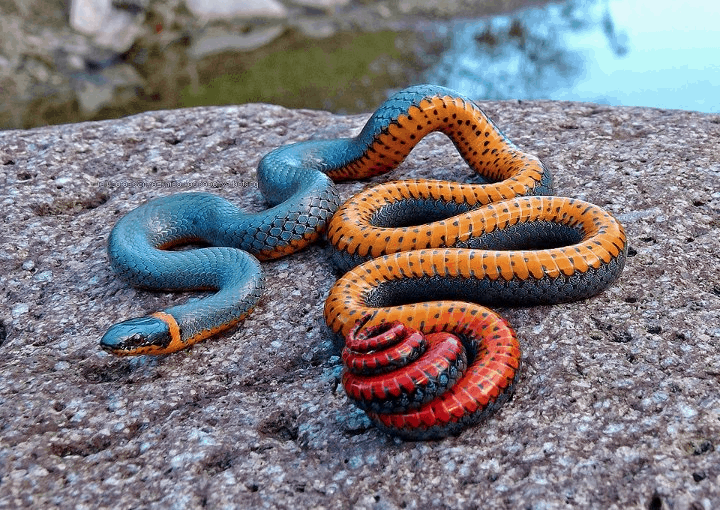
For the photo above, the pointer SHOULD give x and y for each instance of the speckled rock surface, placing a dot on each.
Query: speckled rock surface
(618, 405)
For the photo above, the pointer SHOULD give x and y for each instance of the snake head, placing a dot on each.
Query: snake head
(142, 335)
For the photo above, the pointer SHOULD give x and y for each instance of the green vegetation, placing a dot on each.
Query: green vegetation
(306, 74)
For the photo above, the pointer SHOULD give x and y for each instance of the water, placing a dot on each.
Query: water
(656, 53)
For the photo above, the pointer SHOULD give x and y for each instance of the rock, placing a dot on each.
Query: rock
(87, 16)
(618, 404)
(321, 4)
(242, 9)
(316, 27)
(217, 40)
(93, 95)
(100, 89)
(110, 27)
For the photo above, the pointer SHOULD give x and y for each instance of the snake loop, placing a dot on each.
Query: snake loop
(297, 182)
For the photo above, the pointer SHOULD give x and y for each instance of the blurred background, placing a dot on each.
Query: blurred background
(72, 60)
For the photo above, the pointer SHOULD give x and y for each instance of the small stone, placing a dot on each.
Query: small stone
(321, 4)
(243, 9)
(76, 62)
(20, 309)
(316, 28)
(93, 96)
(94, 92)
(110, 27)
(220, 40)
(87, 16)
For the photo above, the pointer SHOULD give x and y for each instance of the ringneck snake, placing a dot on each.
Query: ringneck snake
(418, 257)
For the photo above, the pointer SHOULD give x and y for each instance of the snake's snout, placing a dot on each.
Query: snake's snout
(139, 335)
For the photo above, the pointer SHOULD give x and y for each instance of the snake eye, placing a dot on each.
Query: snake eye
(135, 336)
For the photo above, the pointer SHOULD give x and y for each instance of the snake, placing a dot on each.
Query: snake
(419, 259)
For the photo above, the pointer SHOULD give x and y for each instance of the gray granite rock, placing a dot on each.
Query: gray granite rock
(618, 405)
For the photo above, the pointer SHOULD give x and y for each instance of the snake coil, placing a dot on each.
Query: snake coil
(423, 253)
(419, 386)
